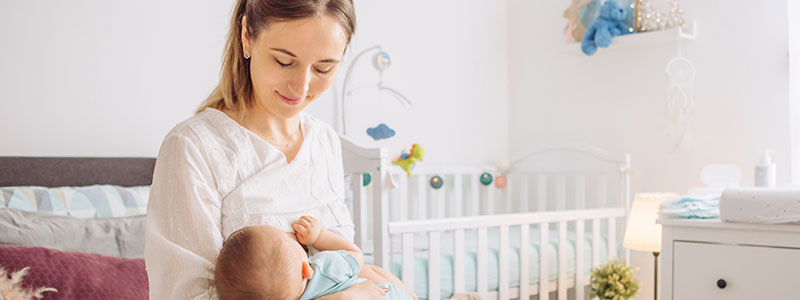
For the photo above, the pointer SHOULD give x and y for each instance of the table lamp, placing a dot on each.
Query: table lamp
(641, 232)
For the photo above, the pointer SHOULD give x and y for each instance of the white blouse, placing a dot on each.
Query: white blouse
(213, 177)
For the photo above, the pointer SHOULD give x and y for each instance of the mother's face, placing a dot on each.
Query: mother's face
(293, 62)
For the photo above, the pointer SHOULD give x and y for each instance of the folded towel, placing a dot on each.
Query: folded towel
(760, 205)
(691, 201)
(690, 207)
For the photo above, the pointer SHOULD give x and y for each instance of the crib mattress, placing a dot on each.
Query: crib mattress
(470, 261)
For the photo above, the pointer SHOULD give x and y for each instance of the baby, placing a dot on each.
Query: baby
(263, 262)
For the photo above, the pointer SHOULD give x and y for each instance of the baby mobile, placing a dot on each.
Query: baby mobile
(380, 62)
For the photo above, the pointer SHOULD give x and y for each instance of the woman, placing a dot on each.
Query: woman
(250, 155)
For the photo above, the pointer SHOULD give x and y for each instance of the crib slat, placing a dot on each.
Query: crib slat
(602, 191)
(579, 273)
(561, 192)
(458, 260)
(544, 272)
(580, 192)
(407, 270)
(509, 196)
(595, 242)
(612, 238)
(562, 260)
(475, 200)
(420, 202)
(435, 203)
(394, 203)
(503, 293)
(541, 193)
(490, 199)
(433, 265)
(524, 272)
(523, 194)
(483, 269)
(359, 210)
(403, 196)
(440, 202)
(380, 218)
(458, 195)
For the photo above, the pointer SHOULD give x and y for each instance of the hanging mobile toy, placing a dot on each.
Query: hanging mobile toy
(408, 160)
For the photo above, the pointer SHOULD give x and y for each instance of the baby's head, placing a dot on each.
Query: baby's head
(261, 262)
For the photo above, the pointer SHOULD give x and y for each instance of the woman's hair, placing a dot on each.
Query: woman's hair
(235, 89)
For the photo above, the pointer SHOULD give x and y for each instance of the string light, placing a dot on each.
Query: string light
(648, 19)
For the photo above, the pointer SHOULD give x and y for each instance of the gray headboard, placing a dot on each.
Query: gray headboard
(75, 171)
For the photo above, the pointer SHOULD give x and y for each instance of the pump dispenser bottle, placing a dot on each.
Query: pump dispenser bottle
(765, 171)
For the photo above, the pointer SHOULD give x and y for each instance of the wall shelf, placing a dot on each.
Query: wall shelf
(642, 39)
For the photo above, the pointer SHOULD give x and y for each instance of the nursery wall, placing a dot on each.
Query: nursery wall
(449, 58)
(616, 99)
(96, 78)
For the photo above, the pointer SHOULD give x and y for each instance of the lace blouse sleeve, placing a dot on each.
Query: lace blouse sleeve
(183, 223)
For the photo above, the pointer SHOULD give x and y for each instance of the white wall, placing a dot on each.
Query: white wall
(449, 59)
(616, 99)
(99, 78)
(104, 78)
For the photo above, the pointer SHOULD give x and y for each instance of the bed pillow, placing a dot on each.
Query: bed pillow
(77, 275)
(94, 201)
(119, 237)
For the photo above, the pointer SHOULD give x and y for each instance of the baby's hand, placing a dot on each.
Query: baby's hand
(307, 229)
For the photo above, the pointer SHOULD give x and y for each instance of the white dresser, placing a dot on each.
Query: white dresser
(711, 259)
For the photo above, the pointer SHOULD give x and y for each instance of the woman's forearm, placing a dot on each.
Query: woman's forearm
(343, 295)
(365, 290)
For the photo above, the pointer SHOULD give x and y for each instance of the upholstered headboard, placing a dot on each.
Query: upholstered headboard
(75, 171)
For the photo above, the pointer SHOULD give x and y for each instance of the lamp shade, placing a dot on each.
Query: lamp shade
(641, 232)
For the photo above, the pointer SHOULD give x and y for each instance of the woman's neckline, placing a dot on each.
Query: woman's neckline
(304, 133)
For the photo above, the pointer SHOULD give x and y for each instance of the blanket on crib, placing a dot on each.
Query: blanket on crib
(470, 260)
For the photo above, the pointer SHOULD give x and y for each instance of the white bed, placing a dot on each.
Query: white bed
(472, 231)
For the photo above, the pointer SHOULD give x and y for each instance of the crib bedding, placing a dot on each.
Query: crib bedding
(470, 268)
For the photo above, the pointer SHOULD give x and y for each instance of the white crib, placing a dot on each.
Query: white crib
(414, 227)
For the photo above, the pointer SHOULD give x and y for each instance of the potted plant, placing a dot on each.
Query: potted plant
(613, 281)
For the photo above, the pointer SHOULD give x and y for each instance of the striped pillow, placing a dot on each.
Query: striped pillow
(95, 201)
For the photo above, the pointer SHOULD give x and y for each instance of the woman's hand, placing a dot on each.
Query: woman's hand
(365, 290)
(307, 229)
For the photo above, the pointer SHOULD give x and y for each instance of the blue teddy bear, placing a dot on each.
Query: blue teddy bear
(609, 23)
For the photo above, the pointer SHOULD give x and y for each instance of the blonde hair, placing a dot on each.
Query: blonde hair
(235, 89)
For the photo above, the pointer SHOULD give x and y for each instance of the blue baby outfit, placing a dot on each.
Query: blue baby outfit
(335, 271)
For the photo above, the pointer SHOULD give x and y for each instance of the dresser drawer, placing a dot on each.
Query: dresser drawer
(714, 271)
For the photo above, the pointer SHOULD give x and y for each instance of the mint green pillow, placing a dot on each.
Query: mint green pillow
(94, 201)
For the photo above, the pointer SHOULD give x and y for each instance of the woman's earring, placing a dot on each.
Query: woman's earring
(247, 55)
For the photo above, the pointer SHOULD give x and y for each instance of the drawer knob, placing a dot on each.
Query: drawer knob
(721, 283)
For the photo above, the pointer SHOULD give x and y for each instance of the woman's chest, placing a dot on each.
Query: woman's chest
(313, 179)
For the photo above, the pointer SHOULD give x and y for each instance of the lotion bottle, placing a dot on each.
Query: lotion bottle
(765, 171)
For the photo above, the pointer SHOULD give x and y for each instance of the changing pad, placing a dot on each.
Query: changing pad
(760, 205)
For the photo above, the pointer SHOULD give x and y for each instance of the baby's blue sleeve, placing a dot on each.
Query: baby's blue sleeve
(338, 265)
(334, 271)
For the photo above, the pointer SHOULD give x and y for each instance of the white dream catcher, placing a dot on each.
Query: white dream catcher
(680, 101)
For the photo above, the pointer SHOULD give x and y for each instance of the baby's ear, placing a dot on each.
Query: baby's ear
(307, 270)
